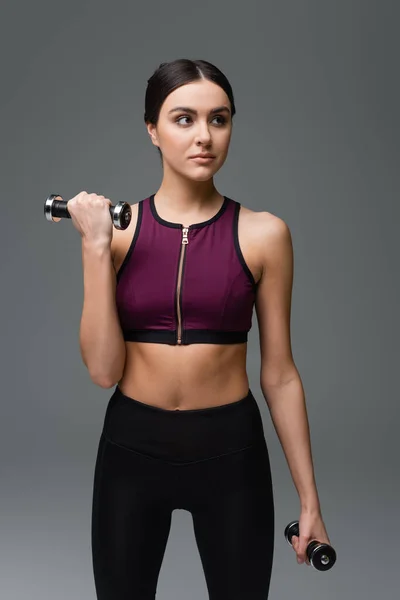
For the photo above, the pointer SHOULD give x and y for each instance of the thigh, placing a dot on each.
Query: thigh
(234, 525)
(130, 523)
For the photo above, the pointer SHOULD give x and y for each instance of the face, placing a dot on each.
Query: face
(195, 118)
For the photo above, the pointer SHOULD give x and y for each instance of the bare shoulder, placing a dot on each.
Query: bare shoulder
(265, 228)
(122, 238)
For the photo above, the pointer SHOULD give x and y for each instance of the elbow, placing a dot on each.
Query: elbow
(106, 381)
(278, 377)
(103, 377)
(106, 384)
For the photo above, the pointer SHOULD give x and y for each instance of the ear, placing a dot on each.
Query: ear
(152, 131)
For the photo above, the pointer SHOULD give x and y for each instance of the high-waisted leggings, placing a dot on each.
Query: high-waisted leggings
(212, 462)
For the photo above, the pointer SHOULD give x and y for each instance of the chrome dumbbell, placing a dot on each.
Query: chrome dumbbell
(321, 556)
(55, 208)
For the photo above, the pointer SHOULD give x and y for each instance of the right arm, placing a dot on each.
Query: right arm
(101, 339)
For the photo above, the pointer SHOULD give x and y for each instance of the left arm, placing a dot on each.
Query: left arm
(280, 381)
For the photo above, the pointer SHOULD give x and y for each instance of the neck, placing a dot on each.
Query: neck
(183, 196)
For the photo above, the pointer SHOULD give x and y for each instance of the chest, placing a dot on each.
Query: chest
(248, 246)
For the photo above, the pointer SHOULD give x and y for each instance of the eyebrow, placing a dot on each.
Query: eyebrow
(194, 112)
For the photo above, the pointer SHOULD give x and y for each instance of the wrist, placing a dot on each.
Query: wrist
(99, 245)
(309, 502)
(310, 507)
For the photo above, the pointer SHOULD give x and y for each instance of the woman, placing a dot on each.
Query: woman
(167, 308)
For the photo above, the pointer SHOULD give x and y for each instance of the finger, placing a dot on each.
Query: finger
(302, 549)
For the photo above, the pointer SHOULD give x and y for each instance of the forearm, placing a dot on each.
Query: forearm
(288, 412)
(101, 339)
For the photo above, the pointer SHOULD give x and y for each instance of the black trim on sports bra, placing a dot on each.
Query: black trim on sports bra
(189, 336)
(180, 225)
(134, 239)
(237, 246)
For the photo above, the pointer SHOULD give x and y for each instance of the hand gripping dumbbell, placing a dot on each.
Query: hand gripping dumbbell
(55, 208)
(321, 556)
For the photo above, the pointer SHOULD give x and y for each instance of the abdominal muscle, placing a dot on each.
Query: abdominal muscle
(185, 377)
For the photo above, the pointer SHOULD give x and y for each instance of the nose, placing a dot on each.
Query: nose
(203, 135)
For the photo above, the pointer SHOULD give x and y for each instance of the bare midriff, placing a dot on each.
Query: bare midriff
(185, 377)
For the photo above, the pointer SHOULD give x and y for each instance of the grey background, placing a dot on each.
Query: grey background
(315, 141)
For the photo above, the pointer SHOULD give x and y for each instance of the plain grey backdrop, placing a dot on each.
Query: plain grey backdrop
(316, 142)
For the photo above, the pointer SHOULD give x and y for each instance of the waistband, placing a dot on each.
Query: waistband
(186, 435)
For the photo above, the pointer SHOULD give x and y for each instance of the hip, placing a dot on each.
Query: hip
(183, 436)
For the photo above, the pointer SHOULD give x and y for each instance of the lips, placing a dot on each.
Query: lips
(207, 155)
(203, 159)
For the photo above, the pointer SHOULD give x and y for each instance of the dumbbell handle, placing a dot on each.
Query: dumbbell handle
(57, 208)
(321, 556)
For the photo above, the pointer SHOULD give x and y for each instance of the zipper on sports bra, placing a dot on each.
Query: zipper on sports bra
(185, 241)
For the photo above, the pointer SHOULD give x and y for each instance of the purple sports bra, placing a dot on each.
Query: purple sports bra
(185, 285)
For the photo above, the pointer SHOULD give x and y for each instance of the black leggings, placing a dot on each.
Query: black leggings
(212, 462)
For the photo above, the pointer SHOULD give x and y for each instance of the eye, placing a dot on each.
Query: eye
(222, 120)
(182, 117)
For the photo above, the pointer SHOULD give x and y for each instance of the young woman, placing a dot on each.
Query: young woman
(167, 309)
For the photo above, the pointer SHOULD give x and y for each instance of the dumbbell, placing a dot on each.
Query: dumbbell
(321, 556)
(55, 208)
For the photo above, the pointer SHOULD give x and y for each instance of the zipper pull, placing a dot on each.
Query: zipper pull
(185, 231)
